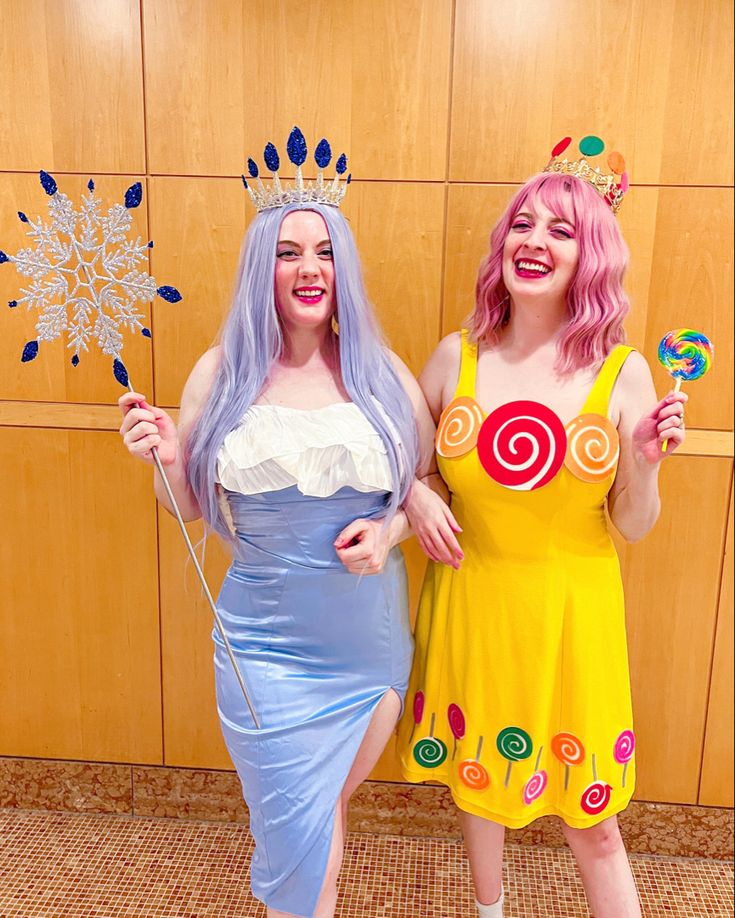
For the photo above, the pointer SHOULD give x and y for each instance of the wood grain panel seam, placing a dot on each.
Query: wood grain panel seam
(447, 167)
(714, 641)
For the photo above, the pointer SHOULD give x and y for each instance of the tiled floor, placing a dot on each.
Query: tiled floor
(58, 864)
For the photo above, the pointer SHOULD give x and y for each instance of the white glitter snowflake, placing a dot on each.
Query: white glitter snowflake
(86, 276)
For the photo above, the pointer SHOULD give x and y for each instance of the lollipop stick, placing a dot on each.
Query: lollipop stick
(202, 580)
(677, 387)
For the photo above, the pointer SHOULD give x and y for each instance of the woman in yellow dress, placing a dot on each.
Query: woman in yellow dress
(519, 699)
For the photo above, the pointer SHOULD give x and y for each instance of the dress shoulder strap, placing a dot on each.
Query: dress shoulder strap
(599, 398)
(467, 367)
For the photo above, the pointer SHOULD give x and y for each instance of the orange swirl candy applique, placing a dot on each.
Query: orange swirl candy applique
(569, 749)
(472, 773)
(593, 447)
(459, 426)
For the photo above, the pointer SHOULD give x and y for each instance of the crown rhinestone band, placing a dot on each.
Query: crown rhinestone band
(318, 191)
(611, 187)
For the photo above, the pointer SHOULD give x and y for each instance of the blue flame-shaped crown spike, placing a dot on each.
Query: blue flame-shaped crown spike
(134, 195)
(323, 154)
(321, 190)
(296, 147)
(48, 183)
(272, 160)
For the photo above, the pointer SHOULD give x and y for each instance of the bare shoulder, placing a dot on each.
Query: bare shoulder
(443, 365)
(199, 384)
(635, 371)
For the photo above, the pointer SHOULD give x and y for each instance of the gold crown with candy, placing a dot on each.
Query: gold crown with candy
(611, 187)
(318, 191)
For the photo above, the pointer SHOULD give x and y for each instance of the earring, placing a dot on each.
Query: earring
(335, 324)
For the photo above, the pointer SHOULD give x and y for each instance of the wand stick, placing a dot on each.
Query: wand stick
(202, 579)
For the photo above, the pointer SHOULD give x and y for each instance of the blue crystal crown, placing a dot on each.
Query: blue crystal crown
(319, 190)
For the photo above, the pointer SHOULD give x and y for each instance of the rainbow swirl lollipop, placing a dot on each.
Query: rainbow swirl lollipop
(687, 355)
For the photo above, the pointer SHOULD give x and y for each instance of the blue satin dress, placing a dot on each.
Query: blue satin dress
(318, 648)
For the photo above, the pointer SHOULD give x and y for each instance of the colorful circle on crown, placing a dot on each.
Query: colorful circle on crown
(591, 145)
(561, 146)
(568, 748)
(473, 775)
(686, 354)
(459, 427)
(430, 752)
(514, 744)
(596, 798)
(522, 445)
(593, 447)
(535, 786)
(616, 162)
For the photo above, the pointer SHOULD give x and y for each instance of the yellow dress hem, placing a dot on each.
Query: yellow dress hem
(574, 822)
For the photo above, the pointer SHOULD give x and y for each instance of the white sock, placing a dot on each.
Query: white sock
(491, 911)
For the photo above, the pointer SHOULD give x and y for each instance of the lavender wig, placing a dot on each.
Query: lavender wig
(251, 340)
(596, 301)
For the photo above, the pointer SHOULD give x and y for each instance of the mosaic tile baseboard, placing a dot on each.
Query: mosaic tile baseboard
(381, 808)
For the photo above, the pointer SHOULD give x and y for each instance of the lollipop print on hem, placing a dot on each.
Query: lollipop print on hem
(472, 773)
(430, 752)
(515, 745)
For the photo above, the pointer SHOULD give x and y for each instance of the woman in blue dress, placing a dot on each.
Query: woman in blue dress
(298, 441)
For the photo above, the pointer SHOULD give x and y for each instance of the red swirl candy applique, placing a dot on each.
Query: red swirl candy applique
(593, 447)
(522, 445)
(458, 428)
(596, 798)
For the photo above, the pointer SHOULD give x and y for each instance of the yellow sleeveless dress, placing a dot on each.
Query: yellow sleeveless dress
(519, 698)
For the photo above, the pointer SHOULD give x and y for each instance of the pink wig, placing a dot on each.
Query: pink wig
(596, 301)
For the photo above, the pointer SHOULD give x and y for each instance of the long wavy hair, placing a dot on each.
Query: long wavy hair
(596, 301)
(252, 339)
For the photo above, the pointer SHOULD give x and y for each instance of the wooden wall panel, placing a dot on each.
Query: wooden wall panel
(398, 229)
(72, 83)
(51, 377)
(198, 225)
(192, 736)
(224, 78)
(692, 285)
(672, 589)
(653, 79)
(79, 629)
(716, 788)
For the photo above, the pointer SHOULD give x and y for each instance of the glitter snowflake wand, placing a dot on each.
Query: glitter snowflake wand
(86, 280)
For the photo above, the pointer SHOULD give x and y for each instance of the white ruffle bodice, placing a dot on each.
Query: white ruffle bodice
(319, 450)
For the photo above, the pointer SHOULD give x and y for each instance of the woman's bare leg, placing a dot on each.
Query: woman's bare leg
(605, 870)
(484, 841)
